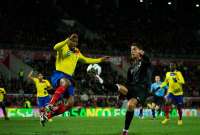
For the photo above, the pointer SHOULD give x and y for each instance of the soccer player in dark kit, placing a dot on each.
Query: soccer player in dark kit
(137, 80)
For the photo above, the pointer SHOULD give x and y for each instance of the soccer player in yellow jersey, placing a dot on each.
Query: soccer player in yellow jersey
(67, 57)
(2, 102)
(42, 85)
(174, 80)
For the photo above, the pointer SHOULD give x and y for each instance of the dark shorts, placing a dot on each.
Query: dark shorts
(139, 92)
(55, 79)
(177, 100)
(2, 104)
(158, 100)
(43, 101)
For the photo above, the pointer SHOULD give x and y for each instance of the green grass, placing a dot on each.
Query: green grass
(98, 126)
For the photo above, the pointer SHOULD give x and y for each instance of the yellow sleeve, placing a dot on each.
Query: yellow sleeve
(89, 60)
(180, 78)
(60, 45)
(34, 79)
(165, 83)
(3, 90)
(48, 84)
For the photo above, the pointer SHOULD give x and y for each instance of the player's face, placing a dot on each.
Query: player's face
(135, 52)
(40, 76)
(157, 78)
(73, 42)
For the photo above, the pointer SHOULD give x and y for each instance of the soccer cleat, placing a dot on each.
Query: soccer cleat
(125, 133)
(165, 121)
(180, 122)
(49, 108)
(43, 119)
(50, 120)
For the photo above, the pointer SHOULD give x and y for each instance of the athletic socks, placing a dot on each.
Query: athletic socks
(59, 91)
(180, 112)
(129, 117)
(153, 113)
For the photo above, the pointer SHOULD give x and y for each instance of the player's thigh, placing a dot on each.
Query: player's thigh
(178, 100)
(122, 89)
(131, 104)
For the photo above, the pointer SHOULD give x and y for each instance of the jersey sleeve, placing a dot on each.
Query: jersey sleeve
(180, 78)
(34, 79)
(2, 90)
(60, 45)
(152, 87)
(165, 83)
(48, 83)
(87, 60)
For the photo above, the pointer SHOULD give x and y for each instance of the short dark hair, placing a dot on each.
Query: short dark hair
(137, 44)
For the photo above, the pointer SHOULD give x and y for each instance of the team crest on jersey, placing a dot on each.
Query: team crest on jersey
(172, 74)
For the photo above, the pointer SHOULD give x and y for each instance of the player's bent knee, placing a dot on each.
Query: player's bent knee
(65, 82)
(122, 89)
(131, 104)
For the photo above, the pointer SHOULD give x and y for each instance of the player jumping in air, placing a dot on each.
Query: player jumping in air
(43, 98)
(67, 57)
(137, 76)
(174, 80)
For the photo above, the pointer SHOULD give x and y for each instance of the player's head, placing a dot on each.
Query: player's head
(40, 76)
(157, 78)
(136, 49)
(73, 41)
(172, 66)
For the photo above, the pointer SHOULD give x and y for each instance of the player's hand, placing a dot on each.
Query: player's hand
(105, 58)
(141, 52)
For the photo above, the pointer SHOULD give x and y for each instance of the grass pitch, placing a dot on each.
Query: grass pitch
(98, 126)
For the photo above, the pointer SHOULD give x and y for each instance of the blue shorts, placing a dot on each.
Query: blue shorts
(177, 100)
(55, 79)
(43, 101)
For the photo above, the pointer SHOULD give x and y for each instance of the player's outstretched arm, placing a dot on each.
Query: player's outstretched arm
(93, 60)
(30, 75)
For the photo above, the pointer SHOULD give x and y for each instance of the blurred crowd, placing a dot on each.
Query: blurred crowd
(108, 27)
(87, 86)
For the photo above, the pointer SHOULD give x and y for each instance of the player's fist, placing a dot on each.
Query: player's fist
(105, 58)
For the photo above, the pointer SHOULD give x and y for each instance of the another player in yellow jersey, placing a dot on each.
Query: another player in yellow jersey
(174, 80)
(42, 85)
(67, 57)
(2, 102)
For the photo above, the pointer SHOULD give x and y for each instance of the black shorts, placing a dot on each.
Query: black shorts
(139, 92)
(2, 105)
(158, 100)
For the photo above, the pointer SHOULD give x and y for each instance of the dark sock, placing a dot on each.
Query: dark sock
(167, 108)
(141, 112)
(159, 111)
(179, 112)
(129, 117)
(153, 113)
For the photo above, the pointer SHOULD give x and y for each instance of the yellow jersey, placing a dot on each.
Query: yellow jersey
(66, 60)
(41, 87)
(175, 81)
(2, 93)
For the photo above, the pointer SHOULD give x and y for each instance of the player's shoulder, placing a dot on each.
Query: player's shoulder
(168, 73)
(177, 71)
